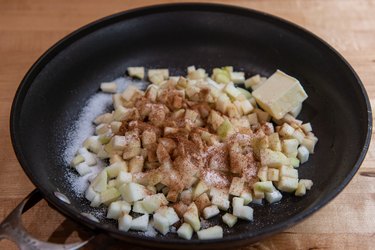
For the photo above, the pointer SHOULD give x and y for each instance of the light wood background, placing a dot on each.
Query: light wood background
(29, 27)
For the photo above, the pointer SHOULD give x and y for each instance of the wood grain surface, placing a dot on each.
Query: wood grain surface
(28, 28)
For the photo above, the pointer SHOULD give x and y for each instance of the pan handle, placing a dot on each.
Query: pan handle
(11, 228)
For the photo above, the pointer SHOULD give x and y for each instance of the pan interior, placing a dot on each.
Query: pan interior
(207, 37)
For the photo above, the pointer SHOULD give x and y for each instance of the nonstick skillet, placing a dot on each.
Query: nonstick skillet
(50, 97)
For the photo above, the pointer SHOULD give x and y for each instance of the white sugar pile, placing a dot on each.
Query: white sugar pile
(98, 104)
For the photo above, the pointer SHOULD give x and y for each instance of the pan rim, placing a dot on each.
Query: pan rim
(149, 10)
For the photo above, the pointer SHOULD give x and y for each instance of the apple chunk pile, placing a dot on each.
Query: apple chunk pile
(195, 147)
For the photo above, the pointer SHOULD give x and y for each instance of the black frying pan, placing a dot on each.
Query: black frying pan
(52, 93)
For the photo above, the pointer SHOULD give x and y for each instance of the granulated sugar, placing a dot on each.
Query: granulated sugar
(84, 127)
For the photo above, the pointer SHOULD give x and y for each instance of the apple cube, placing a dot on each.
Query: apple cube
(114, 169)
(109, 195)
(301, 190)
(246, 107)
(111, 183)
(306, 127)
(186, 196)
(246, 213)
(191, 216)
(117, 208)
(254, 80)
(137, 72)
(136, 164)
(148, 137)
(215, 232)
(185, 231)
(199, 189)
(257, 201)
(131, 192)
(108, 87)
(90, 193)
(221, 202)
(286, 130)
(163, 72)
(104, 118)
(237, 204)
(169, 213)
(138, 208)
(229, 219)
(123, 177)
(83, 169)
(219, 192)
(140, 223)
(125, 222)
(273, 196)
(90, 158)
(287, 184)
(236, 186)
(96, 201)
(303, 154)
(253, 119)
(273, 158)
(274, 142)
(264, 186)
(99, 184)
(288, 171)
(247, 196)
(231, 90)
(273, 174)
(309, 143)
(77, 160)
(161, 223)
(308, 183)
(262, 173)
(225, 129)
(258, 194)
(294, 162)
(237, 77)
(210, 211)
(117, 101)
(153, 202)
(102, 129)
(262, 116)
(289, 147)
(222, 103)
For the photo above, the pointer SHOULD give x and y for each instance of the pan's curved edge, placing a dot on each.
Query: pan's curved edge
(86, 29)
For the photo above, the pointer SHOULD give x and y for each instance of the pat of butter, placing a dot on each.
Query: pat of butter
(280, 94)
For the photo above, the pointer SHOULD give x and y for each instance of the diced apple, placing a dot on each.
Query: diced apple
(123, 177)
(301, 190)
(303, 154)
(309, 143)
(274, 142)
(264, 186)
(109, 195)
(152, 203)
(253, 119)
(262, 173)
(294, 162)
(136, 164)
(125, 222)
(111, 183)
(169, 213)
(246, 213)
(236, 186)
(308, 183)
(262, 115)
(250, 82)
(99, 184)
(229, 219)
(77, 160)
(197, 74)
(225, 129)
(185, 231)
(246, 107)
(237, 77)
(219, 192)
(215, 119)
(104, 118)
(298, 135)
(108, 87)
(210, 211)
(132, 192)
(247, 196)
(114, 169)
(102, 128)
(83, 169)
(90, 158)
(148, 137)
(273, 196)
(288, 171)
(215, 232)
(290, 147)
(191, 216)
(90, 193)
(137, 72)
(258, 194)
(138, 208)
(221, 202)
(287, 184)
(186, 196)
(200, 188)
(273, 174)
(161, 223)
(237, 204)
(222, 103)
(231, 90)
(140, 223)
(95, 201)
(286, 130)
(273, 158)
(117, 208)
(306, 127)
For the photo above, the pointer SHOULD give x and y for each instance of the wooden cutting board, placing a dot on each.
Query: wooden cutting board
(28, 28)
